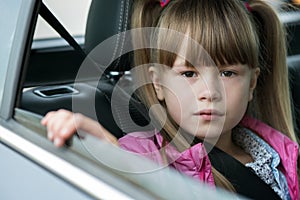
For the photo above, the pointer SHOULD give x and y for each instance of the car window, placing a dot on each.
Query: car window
(71, 13)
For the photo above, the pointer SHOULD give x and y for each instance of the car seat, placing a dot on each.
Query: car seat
(105, 19)
(294, 75)
(292, 23)
(119, 13)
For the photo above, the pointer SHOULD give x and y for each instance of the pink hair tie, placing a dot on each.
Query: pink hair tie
(247, 6)
(163, 3)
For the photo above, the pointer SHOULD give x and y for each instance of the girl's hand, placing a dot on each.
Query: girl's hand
(62, 125)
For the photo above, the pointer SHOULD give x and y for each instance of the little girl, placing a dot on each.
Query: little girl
(212, 131)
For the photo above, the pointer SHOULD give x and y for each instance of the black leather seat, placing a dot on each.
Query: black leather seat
(294, 76)
(105, 19)
(114, 17)
(292, 22)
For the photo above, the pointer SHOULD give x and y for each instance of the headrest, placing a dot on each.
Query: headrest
(107, 18)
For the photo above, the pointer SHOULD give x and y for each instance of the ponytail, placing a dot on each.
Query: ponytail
(145, 14)
(272, 92)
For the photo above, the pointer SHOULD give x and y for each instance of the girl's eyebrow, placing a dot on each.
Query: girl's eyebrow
(239, 66)
(182, 64)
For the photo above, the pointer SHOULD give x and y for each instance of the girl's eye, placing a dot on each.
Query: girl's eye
(189, 74)
(227, 73)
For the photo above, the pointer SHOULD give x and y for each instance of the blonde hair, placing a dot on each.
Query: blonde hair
(230, 34)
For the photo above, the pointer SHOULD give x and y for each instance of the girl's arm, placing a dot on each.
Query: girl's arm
(62, 125)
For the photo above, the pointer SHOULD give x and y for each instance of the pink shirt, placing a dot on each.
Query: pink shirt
(194, 161)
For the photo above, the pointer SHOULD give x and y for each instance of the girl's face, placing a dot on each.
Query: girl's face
(205, 101)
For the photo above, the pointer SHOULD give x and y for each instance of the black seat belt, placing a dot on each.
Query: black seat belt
(243, 179)
(54, 23)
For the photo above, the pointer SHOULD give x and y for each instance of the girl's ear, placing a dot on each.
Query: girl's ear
(253, 81)
(155, 78)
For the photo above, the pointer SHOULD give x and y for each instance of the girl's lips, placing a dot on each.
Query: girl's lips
(209, 114)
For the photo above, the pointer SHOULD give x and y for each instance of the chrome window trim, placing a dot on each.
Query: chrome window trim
(67, 171)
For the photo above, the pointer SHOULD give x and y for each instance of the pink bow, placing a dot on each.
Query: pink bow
(163, 3)
(247, 6)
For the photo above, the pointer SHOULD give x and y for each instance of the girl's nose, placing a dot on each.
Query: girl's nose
(210, 89)
(209, 96)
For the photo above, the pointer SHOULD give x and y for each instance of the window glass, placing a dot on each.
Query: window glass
(9, 10)
(71, 13)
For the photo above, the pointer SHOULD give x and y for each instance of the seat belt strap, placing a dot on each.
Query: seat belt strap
(54, 23)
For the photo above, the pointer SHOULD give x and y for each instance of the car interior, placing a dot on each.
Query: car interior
(48, 82)
(56, 84)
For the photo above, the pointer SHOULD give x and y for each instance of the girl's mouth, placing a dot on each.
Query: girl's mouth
(209, 114)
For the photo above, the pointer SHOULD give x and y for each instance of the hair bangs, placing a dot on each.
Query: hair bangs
(172, 33)
(214, 29)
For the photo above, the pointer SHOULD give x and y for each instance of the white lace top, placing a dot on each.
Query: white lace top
(266, 160)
